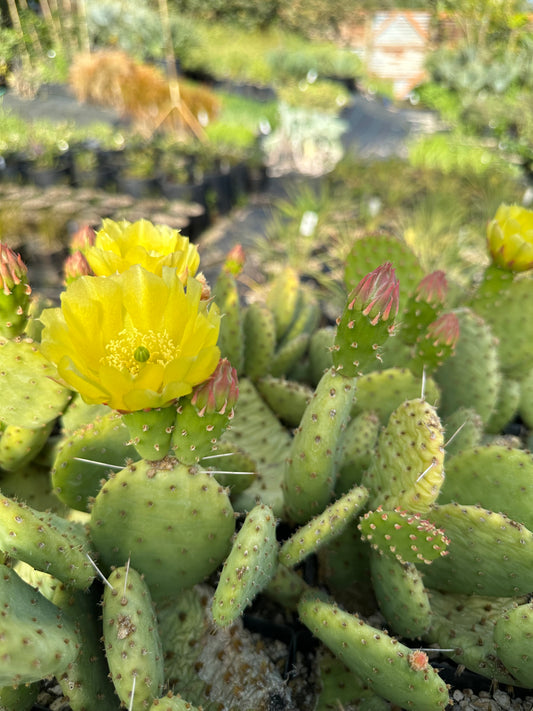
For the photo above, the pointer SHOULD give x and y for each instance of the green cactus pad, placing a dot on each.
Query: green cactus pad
(506, 406)
(288, 355)
(323, 528)
(285, 397)
(495, 477)
(471, 377)
(19, 698)
(407, 537)
(151, 431)
(230, 338)
(407, 470)
(233, 469)
(320, 352)
(36, 639)
(513, 637)
(30, 396)
(104, 442)
(358, 340)
(248, 568)
(357, 447)
(464, 429)
(259, 340)
(32, 485)
(508, 309)
(525, 406)
(384, 391)
(45, 541)
(174, 521)
(345, 563)
(20, 445)
(79, 413)
(464, 626)
(489, 554)
(286, 587)
(389, 668)
(283, 299)
(370, 251)
(311, 468)
(172, 703)
(340, 688)
(256, 431)
(131, 639)
(194, 435)
(85, 683)
(183, 622)
(401, 595)
(306, 319)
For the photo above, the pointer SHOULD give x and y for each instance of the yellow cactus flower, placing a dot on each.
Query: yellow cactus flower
(120, 245)
(510, 238)
(134, 340)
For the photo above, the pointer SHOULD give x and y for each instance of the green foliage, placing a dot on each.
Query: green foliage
(322, 95)
(135, 27)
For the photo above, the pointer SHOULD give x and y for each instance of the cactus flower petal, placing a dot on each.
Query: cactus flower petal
(120, 245)
(133, 340)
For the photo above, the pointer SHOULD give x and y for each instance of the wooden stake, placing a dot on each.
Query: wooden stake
(176, 102)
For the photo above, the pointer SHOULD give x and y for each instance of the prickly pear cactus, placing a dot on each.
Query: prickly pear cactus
(320, 473)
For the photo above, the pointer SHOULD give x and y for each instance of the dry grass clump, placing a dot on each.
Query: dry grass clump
(138, 91)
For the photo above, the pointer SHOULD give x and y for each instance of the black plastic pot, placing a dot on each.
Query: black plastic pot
(138, 187)
(110, 165)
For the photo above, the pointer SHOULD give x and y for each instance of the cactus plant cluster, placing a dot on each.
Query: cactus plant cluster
(139, 520)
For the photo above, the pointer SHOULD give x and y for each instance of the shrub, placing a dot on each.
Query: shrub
(112, 78)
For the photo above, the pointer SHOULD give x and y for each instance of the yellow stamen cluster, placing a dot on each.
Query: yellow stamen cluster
(132, 349)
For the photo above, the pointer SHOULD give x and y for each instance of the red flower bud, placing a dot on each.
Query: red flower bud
(433, 288)
(444, 331)
(83, 238)
(378, 294)
(75, 266)
(219, 393)
(13, 271)
(235, 260)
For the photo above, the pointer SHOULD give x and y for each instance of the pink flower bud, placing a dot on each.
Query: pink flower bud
(433, 288)
(235, 260)
(445, 330)
(219, 393)
(378, 294)
(83, 238)
(13, 271)
(75, 266)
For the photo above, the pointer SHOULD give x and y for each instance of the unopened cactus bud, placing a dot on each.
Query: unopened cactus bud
(234, 260)
(367, 321)
(444, 331)
(423, 307)
(437, 344)
(432, 289)
(377, 294)
(219, 393)
(75, 266)
(82, 238)
(510, 238)
(14, 293)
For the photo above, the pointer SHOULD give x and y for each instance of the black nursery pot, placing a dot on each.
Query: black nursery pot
(9, 171)
(110, 165)
(138, 187)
